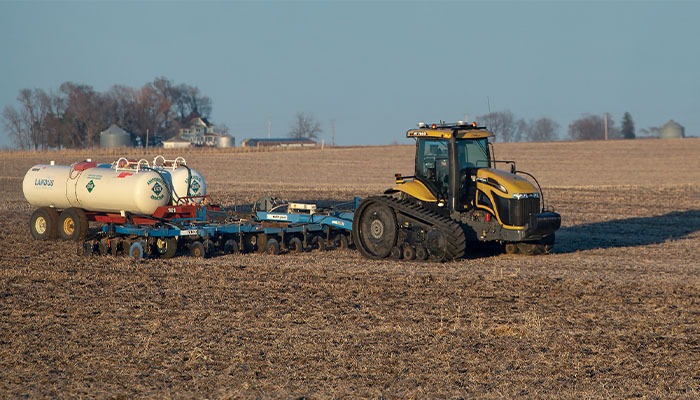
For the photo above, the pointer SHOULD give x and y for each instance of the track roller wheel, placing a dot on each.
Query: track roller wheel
(197, 249)
(421, 253)
(72, 224)
(527, 248)
(43, 224)
(409, 253)
(272, 247)
(396, 252)
(375, 229)
(317, 243)
(230, 247)
(511, 248)
(295, 245)
(136, 250)
(166, 247)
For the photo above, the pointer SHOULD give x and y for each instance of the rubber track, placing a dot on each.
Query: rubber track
(453, 232)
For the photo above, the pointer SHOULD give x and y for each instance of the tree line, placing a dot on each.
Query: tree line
(73, 116)
(589, 127)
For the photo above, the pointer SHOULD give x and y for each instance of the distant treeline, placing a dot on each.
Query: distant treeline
(74, 116)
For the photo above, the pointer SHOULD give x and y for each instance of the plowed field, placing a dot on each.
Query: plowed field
(613, 313)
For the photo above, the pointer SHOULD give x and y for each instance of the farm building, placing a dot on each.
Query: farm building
(278, 142)
(115, 136)
(671, 130)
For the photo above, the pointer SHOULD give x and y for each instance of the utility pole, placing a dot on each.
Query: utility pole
(333, 132)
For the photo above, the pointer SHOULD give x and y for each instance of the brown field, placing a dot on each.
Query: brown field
(613, 313)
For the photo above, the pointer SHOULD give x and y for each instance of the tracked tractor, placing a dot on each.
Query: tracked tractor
(456, 201)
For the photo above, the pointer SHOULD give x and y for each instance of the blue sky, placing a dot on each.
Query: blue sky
(376, 68)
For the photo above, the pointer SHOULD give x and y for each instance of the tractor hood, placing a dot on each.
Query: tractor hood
(506, 183)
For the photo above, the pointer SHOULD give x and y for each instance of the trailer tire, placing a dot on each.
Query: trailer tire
(72, 224)
(43, 224)
(209, 248)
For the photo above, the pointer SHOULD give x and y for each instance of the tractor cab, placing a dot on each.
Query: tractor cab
(448, 157)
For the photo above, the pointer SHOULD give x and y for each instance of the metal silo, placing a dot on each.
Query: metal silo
(672, 130)
(225, 141)
(115, 136)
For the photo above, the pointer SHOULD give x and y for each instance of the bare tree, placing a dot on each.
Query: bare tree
(306, 126)
(84, 113)
(541, 130)
(502, 124)
(13, 123)
(588, 127)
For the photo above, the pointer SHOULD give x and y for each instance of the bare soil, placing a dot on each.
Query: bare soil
(613, 313)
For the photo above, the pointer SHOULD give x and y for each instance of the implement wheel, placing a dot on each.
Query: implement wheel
(167, 247)
(272, 247)
(295, 245)
(376, 231)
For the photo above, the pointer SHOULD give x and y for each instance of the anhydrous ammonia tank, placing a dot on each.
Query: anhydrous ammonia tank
(187, 182)
(95, 188)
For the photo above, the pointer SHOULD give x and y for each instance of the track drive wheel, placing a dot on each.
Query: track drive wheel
(376, 230)
(72, 224)
(43, 224)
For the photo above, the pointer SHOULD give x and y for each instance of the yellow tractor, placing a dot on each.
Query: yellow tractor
(456, 198)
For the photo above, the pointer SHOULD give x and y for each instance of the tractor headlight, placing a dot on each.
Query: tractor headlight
(520, 196)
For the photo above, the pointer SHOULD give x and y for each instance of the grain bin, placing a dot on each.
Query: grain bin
(672, 130)
(224, 141)
(115, 136)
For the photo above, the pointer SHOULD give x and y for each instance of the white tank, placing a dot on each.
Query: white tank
(187, 182)
(184, 181)
(95, 188)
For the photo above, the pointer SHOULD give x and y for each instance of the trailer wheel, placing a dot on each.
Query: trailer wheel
(42, 224)
(197, 249)
(272, 247)
(295, 245)
(230, 247)
(167, 247)
(72, 224)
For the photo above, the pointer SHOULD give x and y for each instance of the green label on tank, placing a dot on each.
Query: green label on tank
(195, 186)
(90, 185)
(157, 189)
